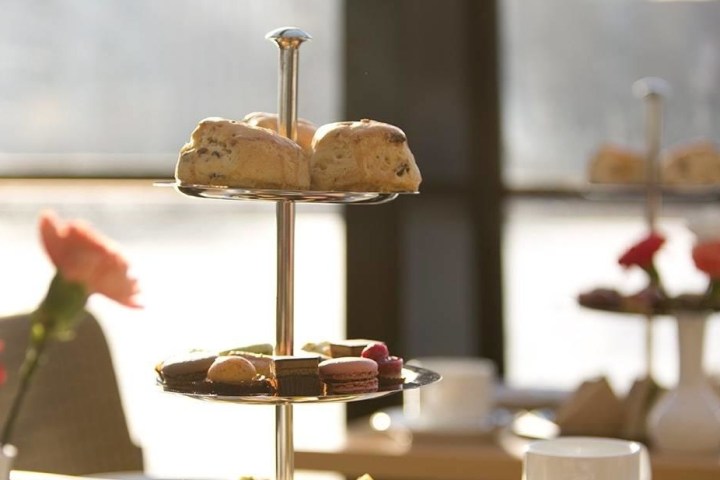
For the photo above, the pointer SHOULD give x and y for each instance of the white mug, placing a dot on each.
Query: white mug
(463, 399)
(585, 458)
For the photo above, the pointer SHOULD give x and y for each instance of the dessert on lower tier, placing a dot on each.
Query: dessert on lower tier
(235, 375)
(362, 366)
(297, 375)
(186, 372)
(348, 375)
(350, 348)
(389, 366)
(262, 363)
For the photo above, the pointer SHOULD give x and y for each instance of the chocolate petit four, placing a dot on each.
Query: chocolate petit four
(296, 375)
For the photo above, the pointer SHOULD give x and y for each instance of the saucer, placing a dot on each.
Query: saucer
(394, 422)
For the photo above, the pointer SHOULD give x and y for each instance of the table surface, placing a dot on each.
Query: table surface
(397, 456)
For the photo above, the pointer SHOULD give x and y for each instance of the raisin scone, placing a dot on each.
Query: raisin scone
(364, 156)
(305, 128)
(234, 154)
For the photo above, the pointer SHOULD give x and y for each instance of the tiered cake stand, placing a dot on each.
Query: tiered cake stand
(289, 40)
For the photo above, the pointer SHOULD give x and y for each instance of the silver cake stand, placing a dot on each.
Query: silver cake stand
(289, 39)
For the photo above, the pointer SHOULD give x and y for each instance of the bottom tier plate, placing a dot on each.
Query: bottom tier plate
(415, 377)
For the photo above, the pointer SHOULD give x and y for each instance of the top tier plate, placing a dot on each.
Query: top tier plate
(304, 196)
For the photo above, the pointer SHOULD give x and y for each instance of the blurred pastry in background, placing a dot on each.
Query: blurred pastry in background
(697, 163)
(616, 164)
(305, 128)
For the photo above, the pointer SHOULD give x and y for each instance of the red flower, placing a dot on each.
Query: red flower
(642, 253)
(706, 256)
(83, 256)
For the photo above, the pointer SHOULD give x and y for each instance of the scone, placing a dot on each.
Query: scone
(694, 164)
(619, 165)
(364, 156)
(305, 128)
(235, 154)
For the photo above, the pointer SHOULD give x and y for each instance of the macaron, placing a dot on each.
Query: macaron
(235, 375)
(186, 372)
(231, 369)
(348, 375)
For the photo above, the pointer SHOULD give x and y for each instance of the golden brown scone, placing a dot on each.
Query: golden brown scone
(229, 153)
(305, 128)
(693, 164)
(364, 156)
(615, 164)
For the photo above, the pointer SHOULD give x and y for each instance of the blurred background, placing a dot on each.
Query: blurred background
(503, 102)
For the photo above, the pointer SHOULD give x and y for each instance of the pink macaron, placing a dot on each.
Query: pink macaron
(347, 375)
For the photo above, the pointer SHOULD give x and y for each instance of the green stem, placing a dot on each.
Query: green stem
(654, 277)
(31, 362)
(712, 295)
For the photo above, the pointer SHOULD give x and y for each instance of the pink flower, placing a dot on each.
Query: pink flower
(86, 263)
(84, 256)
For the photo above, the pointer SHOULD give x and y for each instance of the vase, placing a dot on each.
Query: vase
(686, 419)
(7, 458)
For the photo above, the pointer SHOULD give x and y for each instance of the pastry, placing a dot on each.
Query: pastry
(235, 154)
(389, 366)
(601, 299)
(234, 375)
(186, 372)
(615, 164)
(364, 156)
(305, 128)
(296, 375)
(262, 348)
(350, 348)
(348, 375)
(694, 164)
(322, 349)
(593, 409)
(262, 363)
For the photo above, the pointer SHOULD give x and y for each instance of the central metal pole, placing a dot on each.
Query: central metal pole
(289, 41)
(652, 91)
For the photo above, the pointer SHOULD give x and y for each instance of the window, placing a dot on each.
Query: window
(568, 70)
(116, 88)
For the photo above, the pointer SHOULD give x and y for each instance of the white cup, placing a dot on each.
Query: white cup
(585, 458)
(463, 399)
